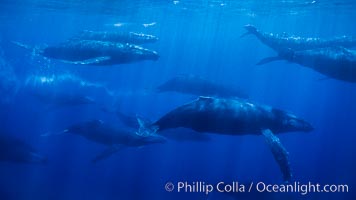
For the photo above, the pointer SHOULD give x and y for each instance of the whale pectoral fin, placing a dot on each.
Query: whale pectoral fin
(268, 60)
(145, 127)
(92, 61)
(279, 152)
(107, 153)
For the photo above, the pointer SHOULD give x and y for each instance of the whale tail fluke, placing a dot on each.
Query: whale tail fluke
(145, 127)
(25, 46)
(35, 50)
(251, 29)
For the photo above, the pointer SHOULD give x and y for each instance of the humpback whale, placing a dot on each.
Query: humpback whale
(117, 36)
(16, 150)
(195, 85)
(280, 42)
(233, 117)
(335, 62)
(111, 136)
(64, 90)
(93, 52)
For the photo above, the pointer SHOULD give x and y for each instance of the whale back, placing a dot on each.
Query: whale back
(116, 36)
(96, 52)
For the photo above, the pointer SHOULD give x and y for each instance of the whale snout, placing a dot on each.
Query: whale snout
(302, 125)
(154, 56)
(147, 54)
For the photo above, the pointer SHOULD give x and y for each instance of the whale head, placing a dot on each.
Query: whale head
(141, 53)
(297, 124)
(292, 123)
(145, 38)
(172, 84)
(150, 55)
(289, 122)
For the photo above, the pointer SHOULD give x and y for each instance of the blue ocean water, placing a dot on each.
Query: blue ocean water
(195, 37)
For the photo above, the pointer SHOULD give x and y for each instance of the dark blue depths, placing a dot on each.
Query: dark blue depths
(199, 38)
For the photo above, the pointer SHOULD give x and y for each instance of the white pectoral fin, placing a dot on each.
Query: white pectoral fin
(145, 127)
(92, 61)
(279, 152)
(107, 153)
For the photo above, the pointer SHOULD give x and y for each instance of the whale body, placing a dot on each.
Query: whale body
(195, 85)
(111, 136)
(94, 52)
(230, 117)
(15, 150)
(334, 62)
(283, 41)
(234, 117)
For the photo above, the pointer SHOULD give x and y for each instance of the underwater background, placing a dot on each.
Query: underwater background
(195, 37)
